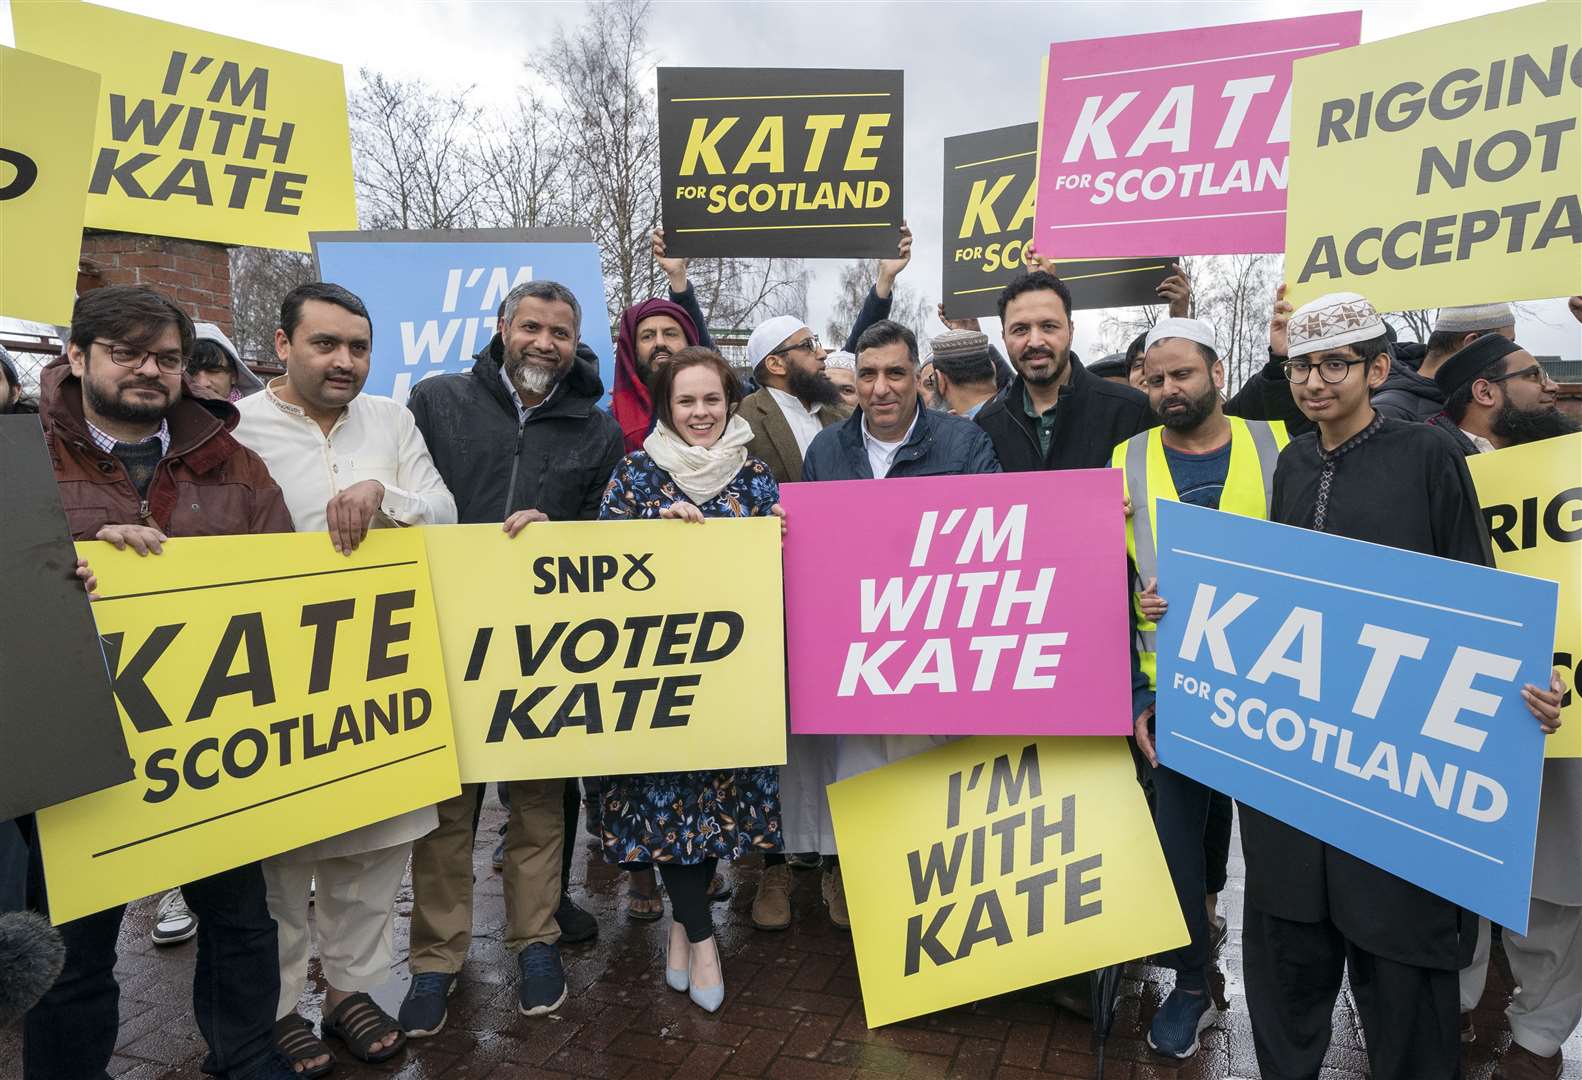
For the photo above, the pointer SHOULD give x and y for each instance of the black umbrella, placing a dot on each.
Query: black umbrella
(1106, 993)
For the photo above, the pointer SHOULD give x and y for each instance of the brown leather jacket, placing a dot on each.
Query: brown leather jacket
(207, 485)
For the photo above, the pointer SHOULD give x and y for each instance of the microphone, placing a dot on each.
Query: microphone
(31, 956)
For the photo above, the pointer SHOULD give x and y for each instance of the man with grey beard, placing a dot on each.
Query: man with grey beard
(519, 438)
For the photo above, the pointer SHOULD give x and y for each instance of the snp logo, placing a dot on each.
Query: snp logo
(591, 573)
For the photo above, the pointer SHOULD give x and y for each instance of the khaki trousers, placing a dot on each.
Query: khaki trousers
(1546, 964)
(354, 915)
(442, 875)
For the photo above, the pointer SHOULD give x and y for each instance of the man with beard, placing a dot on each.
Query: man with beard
(347, 461)
(518, 439)
(1203, 457)
(1497, 395)
(1055, 414)
(1410, 391)
(650, 331)
(140, 458)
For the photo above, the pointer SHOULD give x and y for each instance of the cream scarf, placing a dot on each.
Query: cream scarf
(701, 471)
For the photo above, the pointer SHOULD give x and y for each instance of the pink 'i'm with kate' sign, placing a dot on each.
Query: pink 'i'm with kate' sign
(959, 605)
(1173, 141)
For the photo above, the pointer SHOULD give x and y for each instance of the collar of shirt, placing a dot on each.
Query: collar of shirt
(1483, 445)
(292, 410)
(881, 452)
(106, 442)
(524, 411)
(791, 401)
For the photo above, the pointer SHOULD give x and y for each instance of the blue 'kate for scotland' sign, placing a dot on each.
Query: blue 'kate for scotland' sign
(1368, 696)
(433, 294)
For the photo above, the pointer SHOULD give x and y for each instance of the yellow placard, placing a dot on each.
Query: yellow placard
(199, 135)
(991, 864)
(273, 693)
(1532, 500)
(1443, 167)
(47, 112)
(592, 648)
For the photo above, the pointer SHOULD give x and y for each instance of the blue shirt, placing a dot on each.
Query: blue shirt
(1199, 478)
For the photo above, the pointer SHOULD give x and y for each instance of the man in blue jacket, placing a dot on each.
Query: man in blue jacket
(892, 434)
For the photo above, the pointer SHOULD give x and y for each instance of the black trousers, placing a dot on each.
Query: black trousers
(71, 1033)
(688, 887)
(1410, 1015)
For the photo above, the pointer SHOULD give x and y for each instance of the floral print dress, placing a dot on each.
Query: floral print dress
(687, 817)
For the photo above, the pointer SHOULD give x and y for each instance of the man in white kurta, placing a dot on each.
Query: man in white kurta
(345, 461)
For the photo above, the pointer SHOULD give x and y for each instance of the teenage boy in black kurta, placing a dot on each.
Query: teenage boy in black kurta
(1313, 911)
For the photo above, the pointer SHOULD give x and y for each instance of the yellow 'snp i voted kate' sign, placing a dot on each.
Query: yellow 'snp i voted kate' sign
(272, 692)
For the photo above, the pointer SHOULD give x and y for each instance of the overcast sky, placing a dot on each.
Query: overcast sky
(969, 66)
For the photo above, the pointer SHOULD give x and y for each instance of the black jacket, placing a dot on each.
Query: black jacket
(558, 462)
(1093, 417)
(941, 445)
(1406, 394)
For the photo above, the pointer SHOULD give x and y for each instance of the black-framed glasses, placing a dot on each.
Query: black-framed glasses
(132, 359)
(1535, 373)
(811, 345)
(1332, 370)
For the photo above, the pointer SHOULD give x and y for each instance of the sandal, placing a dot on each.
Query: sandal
(294, 1038)
(640, 905)
(719, 891)
(361, 1024)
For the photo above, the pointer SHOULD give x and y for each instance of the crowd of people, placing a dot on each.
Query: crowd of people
(157, 430)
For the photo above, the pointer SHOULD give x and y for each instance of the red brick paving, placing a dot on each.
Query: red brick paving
(793, 1010)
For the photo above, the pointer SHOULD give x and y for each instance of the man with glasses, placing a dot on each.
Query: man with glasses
(1497, 395)
(140, 458)
(1312, 910)
(1410, 391)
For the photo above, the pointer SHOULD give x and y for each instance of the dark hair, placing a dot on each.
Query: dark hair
(1033, 282)
(551, 291)
(692, 356)
(1368, 350)
(291, 306)
(887, 332)
(209, 356)
(1460, 399)
(132, 314)
(974, 369)
(1134, 351)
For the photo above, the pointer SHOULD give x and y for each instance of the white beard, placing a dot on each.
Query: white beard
(532, 379)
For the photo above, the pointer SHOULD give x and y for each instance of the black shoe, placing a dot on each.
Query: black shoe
(576, 925)
(427, 1003)
(542, 989)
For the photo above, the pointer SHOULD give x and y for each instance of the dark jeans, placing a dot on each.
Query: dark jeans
(1194, 825)
(1410, 1015)
(70, 1034)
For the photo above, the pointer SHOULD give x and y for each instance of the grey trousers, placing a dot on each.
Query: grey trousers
(1546, 964)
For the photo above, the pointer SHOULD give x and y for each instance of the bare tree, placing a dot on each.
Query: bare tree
(908, 307)
(411, 155)
(522, 169)
(260, 279)
(609, 129)
(738, 293)
(1416, 322)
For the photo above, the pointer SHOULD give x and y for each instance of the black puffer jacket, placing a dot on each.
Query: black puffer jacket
(558, 462)
(1093, 417)
(1406, 394)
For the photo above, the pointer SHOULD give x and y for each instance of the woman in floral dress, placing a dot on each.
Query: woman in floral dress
(694, 465)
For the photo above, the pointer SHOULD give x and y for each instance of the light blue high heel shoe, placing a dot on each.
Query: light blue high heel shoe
(678, 979)
(711, 998)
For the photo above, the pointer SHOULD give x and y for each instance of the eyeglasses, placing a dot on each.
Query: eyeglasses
(1331, 370)
(1534, 374)
(128, 357)
(811, 345)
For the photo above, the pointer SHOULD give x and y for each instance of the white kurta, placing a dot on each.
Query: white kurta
(374, 439)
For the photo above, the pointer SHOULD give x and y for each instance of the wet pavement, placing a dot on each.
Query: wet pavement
(793, 1008)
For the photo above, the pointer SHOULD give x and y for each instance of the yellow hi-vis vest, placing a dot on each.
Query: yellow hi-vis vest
(1249, 485)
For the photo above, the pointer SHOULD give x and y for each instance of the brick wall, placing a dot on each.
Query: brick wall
(197, 275)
